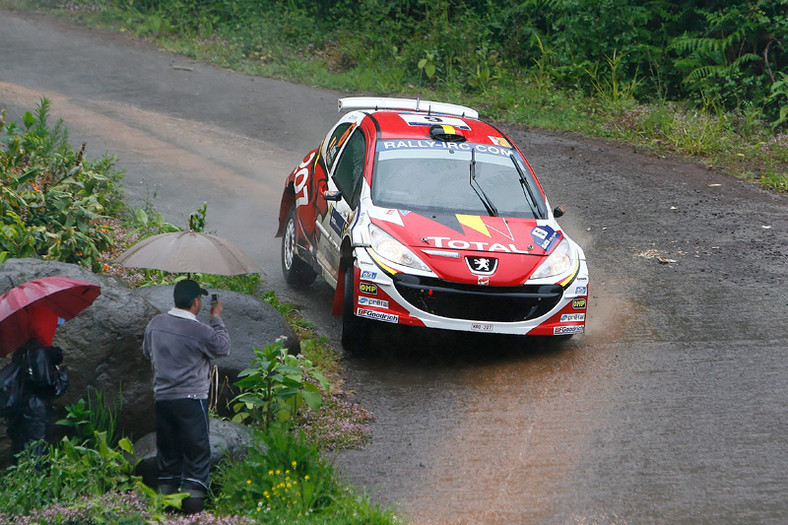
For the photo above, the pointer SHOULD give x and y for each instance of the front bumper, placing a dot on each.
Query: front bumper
(418, 301)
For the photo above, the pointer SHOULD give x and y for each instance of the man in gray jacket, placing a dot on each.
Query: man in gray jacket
(181, 349)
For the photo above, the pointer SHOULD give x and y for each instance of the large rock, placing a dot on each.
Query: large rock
(251, 323)
(228, 439)
(101, 346)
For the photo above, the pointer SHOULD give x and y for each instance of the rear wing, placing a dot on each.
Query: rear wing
(410, 104)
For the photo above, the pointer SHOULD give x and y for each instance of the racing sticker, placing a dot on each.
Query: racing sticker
(371, 301)
(366, 274)
(368, 288)
(579, 304)
(337, 222)
(420, 119)
(392, 145)
(581, 290)
(544, 237)
(568, 318)
(563, 330)
(499, 141)
(378, 316)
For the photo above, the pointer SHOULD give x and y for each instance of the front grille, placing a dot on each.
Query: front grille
(479, 303)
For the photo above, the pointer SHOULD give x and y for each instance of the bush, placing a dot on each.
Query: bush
(54, 203)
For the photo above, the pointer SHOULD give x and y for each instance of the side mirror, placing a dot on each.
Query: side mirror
(558, 211)
(334, 196)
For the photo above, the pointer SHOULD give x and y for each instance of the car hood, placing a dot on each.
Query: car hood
(499, 251)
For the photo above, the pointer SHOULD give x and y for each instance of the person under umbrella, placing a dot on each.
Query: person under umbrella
(40, 378)
(29, 315)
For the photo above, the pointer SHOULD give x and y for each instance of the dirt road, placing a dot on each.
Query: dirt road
(672, 408)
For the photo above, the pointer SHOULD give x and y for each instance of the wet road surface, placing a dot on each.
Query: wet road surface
(672, 408)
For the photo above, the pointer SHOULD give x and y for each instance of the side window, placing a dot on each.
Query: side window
(335, 142)
(349, 172)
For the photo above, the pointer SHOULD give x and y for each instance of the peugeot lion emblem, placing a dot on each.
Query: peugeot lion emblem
(482, 265)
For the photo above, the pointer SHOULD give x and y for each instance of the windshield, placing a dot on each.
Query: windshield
(472, 179)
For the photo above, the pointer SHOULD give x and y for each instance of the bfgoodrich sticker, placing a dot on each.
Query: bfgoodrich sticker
(563, 330)
(378, 316)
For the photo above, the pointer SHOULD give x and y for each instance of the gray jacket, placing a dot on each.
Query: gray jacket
(181, 350)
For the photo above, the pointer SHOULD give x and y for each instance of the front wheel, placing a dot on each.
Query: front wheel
(355, 331)
(297, 272)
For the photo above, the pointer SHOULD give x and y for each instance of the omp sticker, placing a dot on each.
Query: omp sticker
(562, 330)
(368, 288)
(482, 327)
(568, 318)
(378, 316)
(579, 304)
(420, 119)
(366, 274)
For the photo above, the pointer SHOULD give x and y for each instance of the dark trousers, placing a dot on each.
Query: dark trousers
(183, 446)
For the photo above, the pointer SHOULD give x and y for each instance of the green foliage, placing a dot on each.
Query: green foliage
(54, 204)
(89, 419)
(276, 386)
(283, 479)
(66, 472)
(281, 473)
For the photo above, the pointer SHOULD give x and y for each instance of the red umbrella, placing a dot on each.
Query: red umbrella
(34, 309)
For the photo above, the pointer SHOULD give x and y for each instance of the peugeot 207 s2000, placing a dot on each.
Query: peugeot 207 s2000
(420, 214)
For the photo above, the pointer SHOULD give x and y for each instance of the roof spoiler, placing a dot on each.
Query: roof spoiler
(410, 104)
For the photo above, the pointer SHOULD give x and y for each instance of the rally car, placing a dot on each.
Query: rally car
(417, 213)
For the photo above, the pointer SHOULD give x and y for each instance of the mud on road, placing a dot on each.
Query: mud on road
(672, 408)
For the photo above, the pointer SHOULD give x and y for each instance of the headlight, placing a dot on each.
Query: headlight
(559, 262)
(389, 248)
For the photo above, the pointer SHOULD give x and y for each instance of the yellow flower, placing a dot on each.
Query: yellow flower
(248, 481)
(294, 464)
(306, 478)
(270, 472)
(278, 472)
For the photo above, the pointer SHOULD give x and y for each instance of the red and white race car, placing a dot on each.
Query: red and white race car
(420, 214)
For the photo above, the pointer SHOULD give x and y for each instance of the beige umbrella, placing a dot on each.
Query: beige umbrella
(188, 252)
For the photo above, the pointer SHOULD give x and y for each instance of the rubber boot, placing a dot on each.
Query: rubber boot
(195, 502)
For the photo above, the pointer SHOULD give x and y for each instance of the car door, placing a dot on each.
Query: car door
(346, 174)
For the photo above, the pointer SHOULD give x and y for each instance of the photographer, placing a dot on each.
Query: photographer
(181, 349)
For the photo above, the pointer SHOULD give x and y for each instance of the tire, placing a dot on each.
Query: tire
(355, 331)
(296, 271)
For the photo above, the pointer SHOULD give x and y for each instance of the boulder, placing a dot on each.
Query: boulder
(251, 323)
(228, 439)
(102, 346)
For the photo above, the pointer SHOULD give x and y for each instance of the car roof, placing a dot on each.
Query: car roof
(416, 125)
(413, 118)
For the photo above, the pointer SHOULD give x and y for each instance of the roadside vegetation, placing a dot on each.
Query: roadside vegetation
(702, 80)
(59, 205)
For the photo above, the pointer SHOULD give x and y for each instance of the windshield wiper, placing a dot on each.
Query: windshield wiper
(527, 191)
(491, 209)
